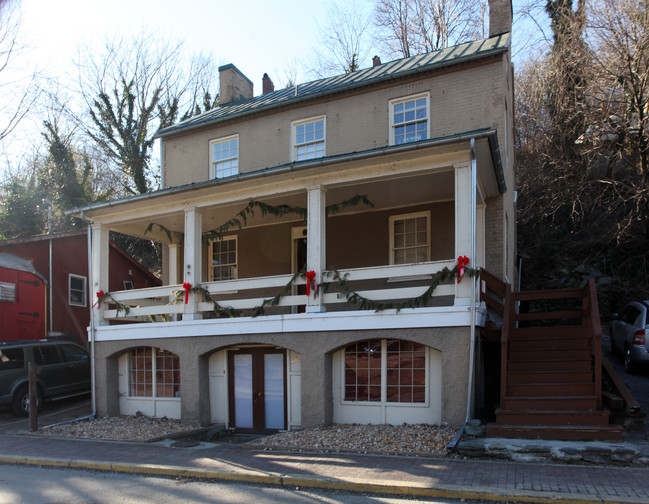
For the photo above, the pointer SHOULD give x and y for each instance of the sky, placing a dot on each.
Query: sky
(257, 36)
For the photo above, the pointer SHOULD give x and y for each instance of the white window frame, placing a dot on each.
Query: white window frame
(211, 255)
(384, 382)
(397, 101)
(295, 145)
(214, 172)
(84, 293)
(415, 215)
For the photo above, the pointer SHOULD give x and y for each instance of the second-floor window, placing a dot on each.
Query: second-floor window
(77, 290)
(223, 259)
(409, 119)
(224, 157)
(309, 139)
(410, 238)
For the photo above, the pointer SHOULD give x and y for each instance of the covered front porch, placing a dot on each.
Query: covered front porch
(345, 241)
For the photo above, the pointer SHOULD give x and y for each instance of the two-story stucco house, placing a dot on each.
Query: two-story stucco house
(293, 225)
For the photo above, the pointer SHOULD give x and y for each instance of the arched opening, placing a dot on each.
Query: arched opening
(387, 381)
(255, 388)
(149, 382)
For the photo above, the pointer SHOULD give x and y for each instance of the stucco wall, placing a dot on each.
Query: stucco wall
(316, 351)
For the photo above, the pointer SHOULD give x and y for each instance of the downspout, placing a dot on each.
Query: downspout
(92, 337)
(474, 183)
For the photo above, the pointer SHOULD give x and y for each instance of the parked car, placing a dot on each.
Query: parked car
(629, 334)
(63, 371)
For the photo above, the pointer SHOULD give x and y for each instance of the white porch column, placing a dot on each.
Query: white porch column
(99, 271)
(173, 263)
(193, 261)
(463, 231)
(316, 242)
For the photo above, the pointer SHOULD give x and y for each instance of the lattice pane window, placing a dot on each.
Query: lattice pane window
(363, 371)
(167, 374)
(224, 259)
(406, 372)
(225, 157)
(409, 118)
(309, 139)
(410, 241)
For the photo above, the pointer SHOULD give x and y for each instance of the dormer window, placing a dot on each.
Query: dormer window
(224, 157)
(409, 119)
(309, 138)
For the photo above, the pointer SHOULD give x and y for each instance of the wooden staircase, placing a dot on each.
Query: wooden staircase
(551, 369)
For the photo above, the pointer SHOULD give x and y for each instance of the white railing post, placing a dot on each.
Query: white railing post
(316, 243)
(463, 227)
(192, 273)
(99, 271)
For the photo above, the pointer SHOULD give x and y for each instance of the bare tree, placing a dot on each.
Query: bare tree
(344, 40)
(18, 90)
(409, 27)
(134, 88)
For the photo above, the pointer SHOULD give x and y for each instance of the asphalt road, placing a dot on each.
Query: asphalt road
(46, 486)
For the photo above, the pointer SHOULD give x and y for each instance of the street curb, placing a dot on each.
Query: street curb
(400, 488)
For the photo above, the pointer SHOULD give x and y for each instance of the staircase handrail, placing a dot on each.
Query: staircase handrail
(591, 318)
(505, 308)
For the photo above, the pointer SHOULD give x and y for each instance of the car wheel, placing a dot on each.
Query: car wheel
(629, 366)
(20, 403)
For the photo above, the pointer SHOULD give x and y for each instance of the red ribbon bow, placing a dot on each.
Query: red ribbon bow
(462, 262)
(310, 277)
(100, 295)
(187, 286)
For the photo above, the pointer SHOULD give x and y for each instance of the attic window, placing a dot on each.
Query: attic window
(224, 157)
(309, 138)
(409, 119)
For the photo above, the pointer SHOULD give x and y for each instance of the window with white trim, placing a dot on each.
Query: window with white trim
(409, 119)
(224, 157)
(381, 370)
(77, 290)
(153, 372)
(223, 259)
(309, 138)
(410, 238)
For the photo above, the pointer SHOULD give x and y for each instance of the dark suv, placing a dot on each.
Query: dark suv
(63, 371)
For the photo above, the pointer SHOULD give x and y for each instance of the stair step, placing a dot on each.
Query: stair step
(549, 376)
(550, 389)
(549, 333)
(550, 344)
(549, 354)
(586, 402)
(550, 365)
(575, 433)
(552, 417)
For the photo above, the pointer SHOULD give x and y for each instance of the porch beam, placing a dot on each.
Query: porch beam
(99, 271)
(192, 273)
(316, 242)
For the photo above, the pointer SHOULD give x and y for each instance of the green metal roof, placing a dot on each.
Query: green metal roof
(461, 53)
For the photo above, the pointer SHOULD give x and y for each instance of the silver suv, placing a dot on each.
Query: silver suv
(629, 334)
(63, 371)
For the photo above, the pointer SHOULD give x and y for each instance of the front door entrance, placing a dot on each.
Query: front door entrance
(257, 389)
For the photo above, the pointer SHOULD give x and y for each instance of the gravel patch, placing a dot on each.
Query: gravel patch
(420, 439)
(121, 428)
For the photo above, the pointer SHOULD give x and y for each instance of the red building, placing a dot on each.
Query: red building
(22, 300)
(68, 314)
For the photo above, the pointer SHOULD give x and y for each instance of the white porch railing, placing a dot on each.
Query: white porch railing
(377, 283)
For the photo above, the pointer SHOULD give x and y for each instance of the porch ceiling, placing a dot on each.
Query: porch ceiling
(396, 178)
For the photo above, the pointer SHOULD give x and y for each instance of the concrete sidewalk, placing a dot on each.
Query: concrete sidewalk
(490, 480)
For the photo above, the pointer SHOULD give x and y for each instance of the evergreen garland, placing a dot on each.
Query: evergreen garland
(241, 218)
(107, 298)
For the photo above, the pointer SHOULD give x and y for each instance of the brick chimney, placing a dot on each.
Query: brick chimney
(500, 17)
(376, 61)
(267, 85)
(233, 85)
